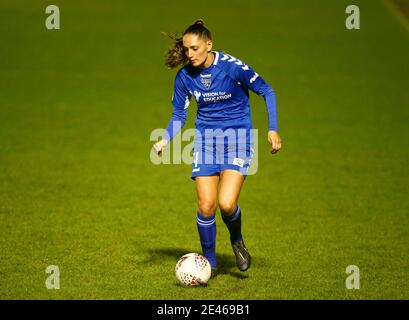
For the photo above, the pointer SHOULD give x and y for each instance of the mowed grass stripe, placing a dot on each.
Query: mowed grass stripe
(401, 9)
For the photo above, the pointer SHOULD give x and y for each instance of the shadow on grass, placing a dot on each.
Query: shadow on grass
(226, 262)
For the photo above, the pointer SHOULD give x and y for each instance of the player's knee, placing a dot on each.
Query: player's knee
(207, 208)
(227, 207)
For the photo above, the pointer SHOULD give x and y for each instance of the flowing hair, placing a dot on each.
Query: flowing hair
(176, 54)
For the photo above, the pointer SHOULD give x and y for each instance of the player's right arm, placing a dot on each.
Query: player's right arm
(180, 100)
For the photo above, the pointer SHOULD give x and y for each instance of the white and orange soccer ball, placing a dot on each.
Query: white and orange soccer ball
(193, 269)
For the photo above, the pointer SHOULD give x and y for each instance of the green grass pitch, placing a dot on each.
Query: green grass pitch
(78, 189)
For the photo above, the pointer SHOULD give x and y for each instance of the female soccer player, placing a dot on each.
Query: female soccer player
(219, 82)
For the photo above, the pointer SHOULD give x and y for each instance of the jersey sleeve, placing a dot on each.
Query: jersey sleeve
(250, 79)
(180, 101)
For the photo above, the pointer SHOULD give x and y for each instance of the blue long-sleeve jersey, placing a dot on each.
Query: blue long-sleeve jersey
(221, 93)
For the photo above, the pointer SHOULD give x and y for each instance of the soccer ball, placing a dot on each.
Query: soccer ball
(193, 269)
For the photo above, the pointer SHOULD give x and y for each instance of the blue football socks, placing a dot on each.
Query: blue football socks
(207, 232)
(233, 223)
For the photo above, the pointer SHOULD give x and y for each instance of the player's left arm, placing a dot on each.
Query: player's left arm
(252, 80)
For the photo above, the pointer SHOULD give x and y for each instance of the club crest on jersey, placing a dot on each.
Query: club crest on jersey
(206, 79)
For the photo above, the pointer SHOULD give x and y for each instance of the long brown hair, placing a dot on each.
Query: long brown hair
(176, 55)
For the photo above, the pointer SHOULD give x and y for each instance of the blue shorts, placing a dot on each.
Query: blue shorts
(221, 150)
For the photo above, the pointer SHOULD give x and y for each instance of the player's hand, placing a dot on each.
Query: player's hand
(160, 145)
(275, 141)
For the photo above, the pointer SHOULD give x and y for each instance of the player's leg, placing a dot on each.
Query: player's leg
(231, 182)
(206, 189)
